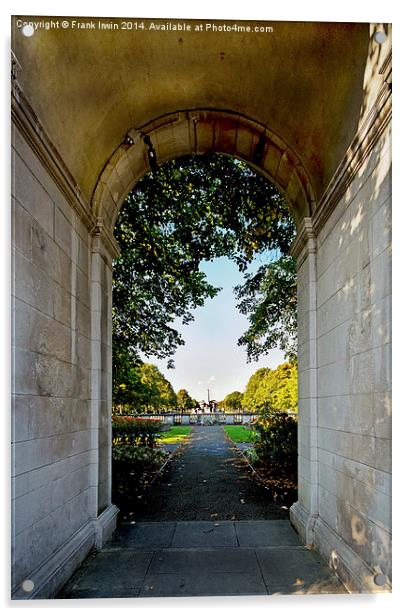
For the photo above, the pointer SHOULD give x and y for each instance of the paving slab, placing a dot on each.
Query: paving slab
(204, 534)
(266, 533)
(145, 535)
(170, 447)
(110, 571)
(105, 592)
(325, 586)
(290, 570)
(204, 561)
(177, 585)
(244, 446)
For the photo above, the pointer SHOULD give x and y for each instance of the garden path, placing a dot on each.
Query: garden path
(207, 479)
(204, 528)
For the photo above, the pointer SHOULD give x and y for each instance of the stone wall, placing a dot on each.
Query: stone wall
(54, 439)
(354, 363)
(344, 290)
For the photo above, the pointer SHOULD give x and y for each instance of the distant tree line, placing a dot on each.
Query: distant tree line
(140, 387)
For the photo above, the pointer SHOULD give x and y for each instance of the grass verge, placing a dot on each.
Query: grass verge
(175, 435)
(240, 434)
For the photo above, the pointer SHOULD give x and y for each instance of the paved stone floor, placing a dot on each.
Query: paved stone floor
(176, 559)
(228, 538)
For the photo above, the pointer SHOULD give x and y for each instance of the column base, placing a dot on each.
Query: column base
(303, 522)
(356, 575)
(52, 574)
(105, 525)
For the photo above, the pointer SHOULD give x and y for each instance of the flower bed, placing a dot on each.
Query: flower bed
(133, 470)
(136, 458)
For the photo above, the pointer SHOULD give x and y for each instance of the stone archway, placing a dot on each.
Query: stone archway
(75, 159)
(169, 137)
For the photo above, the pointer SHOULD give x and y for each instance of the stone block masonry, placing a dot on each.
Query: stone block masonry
(72, 170)
(54, 450)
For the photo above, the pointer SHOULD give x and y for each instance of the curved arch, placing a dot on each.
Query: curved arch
(199, 131)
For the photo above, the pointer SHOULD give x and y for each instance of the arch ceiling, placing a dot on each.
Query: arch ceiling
(304, 83)
(199, 131)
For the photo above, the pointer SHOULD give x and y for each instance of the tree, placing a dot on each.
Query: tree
(251, 388)
(159, 392)
(127, 388)
(139, 387)
(285, 395)
(167, 395)
(278, 389)
(233, 401)
(273, 390)
(184, 401)
(190, 210)
(269, 299)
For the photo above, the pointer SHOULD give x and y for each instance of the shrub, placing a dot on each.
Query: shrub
(276, 441)
(251, 455)
(141, 457)
(135, 431)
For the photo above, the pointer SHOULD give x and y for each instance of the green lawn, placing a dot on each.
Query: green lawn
(175, 435)
(240, 434)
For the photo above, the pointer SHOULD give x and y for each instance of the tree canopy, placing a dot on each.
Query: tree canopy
(252, 386)
(189, 211)
(269, 299)
(184, 401)
(140, 387)
(233, 401)
(272, 390)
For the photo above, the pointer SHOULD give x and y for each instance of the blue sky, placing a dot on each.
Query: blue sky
(211, 358)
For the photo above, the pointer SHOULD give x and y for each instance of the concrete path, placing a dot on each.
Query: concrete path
(182, 559)
(204, 528)
(207, 479)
